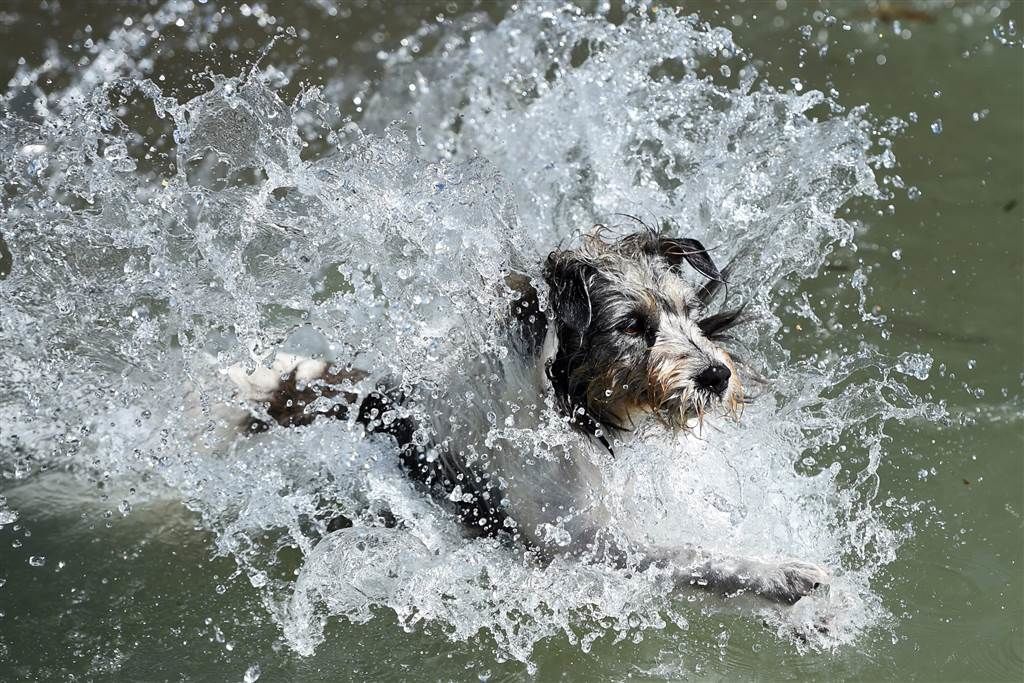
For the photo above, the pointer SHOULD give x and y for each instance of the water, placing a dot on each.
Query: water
(358, 186)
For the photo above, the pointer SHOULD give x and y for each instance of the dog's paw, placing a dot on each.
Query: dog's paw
(792, 580)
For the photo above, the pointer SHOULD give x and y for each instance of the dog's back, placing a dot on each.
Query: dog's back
(472, 438)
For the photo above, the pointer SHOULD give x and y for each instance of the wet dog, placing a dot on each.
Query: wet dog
(621, 339)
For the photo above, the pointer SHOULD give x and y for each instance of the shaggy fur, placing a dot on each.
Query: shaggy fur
(623, 338)
(631, 337)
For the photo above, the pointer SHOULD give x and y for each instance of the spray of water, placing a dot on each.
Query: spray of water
(154, 241)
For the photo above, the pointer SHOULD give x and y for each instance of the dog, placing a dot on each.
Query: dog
(621, 339)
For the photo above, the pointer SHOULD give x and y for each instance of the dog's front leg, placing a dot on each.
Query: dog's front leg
(784, 582)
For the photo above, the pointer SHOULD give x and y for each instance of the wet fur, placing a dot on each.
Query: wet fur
(622, 338)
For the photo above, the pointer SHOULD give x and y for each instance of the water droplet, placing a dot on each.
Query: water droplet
(936, 126)
(37, 561)
(7, 516)
(115, 151)
(252, 674)
(917, 365)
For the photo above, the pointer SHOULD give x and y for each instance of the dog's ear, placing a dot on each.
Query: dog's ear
(716, 326)
(676, 250)
(708, 290)
(567, 275)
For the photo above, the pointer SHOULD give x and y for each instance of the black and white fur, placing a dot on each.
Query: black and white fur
(623, 339)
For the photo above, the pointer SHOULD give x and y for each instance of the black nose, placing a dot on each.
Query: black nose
(714, 379)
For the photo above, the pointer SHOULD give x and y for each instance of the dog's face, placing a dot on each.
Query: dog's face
(632, 335)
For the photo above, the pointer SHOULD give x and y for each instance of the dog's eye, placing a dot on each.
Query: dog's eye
(634, 327)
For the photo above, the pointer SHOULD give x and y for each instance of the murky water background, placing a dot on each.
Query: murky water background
(168, 208)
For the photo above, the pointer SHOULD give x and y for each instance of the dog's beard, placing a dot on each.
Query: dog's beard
(688, 407)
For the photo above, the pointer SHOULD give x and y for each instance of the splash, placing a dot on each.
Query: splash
(153, 241)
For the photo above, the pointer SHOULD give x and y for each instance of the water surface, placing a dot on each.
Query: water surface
(146, 168)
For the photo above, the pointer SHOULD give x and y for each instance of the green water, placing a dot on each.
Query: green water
(138, 597)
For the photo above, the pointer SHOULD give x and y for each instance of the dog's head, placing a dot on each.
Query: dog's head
(634, 337)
